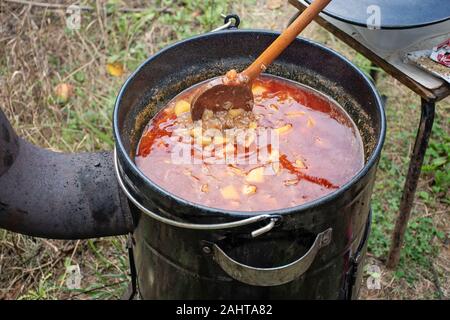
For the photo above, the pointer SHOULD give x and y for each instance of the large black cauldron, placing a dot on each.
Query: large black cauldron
(185, 250)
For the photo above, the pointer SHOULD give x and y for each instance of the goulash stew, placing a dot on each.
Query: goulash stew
(295, 146)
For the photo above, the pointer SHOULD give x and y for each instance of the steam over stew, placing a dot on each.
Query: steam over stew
(296, 146)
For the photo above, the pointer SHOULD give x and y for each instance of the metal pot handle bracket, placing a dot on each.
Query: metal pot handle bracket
(269, 276)
(230, 21)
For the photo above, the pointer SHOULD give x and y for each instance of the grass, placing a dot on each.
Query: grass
(424, 265)
(426, 234)
(37, 52)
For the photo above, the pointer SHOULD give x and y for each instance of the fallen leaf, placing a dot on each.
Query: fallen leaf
(196, 13)
(116, 69)
(182, 106)
(274, 4)
(63, 92)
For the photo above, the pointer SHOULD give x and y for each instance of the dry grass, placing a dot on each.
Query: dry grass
(37, 52)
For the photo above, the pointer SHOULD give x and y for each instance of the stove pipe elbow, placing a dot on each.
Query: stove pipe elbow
(58, 195)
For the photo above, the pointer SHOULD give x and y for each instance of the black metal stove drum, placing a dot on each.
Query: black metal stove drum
(185, 251)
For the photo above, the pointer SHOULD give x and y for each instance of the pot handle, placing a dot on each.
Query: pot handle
(270, 276)
(230, 21)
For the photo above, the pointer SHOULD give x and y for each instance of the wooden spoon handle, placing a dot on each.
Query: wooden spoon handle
(284, 39)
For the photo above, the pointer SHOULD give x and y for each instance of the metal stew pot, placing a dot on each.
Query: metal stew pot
(188, 251)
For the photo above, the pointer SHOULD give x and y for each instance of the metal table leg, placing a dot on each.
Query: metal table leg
(415, 165)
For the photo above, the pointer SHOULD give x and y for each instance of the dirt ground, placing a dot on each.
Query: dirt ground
(38, 53)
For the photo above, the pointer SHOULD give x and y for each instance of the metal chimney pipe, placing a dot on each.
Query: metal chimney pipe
(58, 195)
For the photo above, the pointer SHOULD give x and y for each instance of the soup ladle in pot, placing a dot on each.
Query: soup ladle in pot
(234, 90)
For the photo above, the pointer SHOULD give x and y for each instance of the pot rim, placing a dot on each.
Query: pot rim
(243, 214)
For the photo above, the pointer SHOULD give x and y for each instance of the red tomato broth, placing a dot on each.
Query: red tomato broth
(321, 151)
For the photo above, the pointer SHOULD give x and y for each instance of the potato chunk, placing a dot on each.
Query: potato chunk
(258, 90)
(181, 107)
(235, 112)
(299, 164)
(205, 140)
(220, 139)
(292, 114)
(274, 155)
(196, 132)
(255, 175)
(229, 193)
(284, 129)
(235, 170)
(274, 107)
(229, 148)
(311, 122)
(248, 189)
